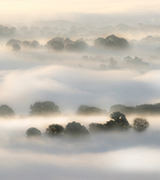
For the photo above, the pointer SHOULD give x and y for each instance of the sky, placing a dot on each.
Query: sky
(30, 10)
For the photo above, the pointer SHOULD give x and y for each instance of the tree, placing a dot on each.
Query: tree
(6, 111)
(44, 108)
(33, 132)
(119, 121)
(112, 41)
(56, 44)
(55, 130)
(87, 110)
(76, 129)
(140, 124)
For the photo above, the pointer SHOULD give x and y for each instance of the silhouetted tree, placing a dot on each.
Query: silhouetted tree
(6, 111)
(44, 108)
(119, 121)
(33, 132)
(140, 124)
(55, 130)
(76, 129)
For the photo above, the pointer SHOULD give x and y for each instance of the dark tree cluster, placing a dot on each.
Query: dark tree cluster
(59, 44)
(47, 108)
(118, 122)
(74, 129)
(112, 42)
(147, 109)
(66, 44)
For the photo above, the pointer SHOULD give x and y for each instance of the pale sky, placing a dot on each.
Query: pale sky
(24, 10)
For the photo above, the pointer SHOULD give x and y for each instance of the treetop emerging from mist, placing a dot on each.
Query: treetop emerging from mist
(55, 129)
(76, 129)
(87, 110)
(6, 111)
(44, 108)
(112, 41)
(31, 132)
(139, 109)
(59, 44)
(17, 44)
(119, 121)
(140, 124)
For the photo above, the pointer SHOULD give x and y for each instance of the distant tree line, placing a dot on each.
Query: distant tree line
(60, 43)
(118, 122)
(47, 108)
(147, 109)
(17, 44)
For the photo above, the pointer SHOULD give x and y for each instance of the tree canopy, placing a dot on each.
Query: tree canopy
(33, 132)
(76, 129)
(112, 41)
(89, 110)
(6, 111)
(55, 129)
(119, 121)
(140, 124)
(44, 108)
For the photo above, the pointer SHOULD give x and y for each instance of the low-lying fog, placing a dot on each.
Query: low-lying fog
(70, 81)
(114, 155)
(72, 66)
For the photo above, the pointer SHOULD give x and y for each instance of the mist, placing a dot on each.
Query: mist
(75, 63)
(115, 154)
